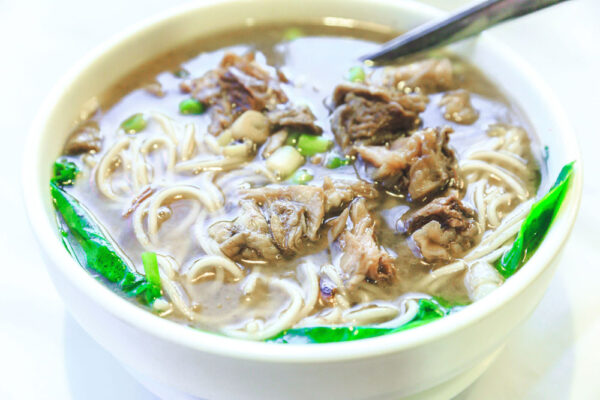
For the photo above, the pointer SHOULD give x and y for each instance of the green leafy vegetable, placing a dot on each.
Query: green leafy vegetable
(302, 177)
(450, 304)
(429, 310)
(65, 173)
(134, 124)
(356, 74)
(309, 145)
(292, 34)
(536, 225)
(151, 267)
(86, 240)
(335, 161)
(191, 107)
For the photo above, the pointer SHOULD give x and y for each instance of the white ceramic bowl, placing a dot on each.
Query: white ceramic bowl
(434, 361)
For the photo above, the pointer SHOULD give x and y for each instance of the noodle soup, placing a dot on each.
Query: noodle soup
(265, 185)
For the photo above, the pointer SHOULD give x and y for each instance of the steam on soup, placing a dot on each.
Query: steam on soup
(256, 185)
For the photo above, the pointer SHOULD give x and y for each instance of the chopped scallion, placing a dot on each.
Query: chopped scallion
(356, 74)
(284, 161)
(309, 145)
(302, 177)
(134, 124)
(191, 107)
(336, 161)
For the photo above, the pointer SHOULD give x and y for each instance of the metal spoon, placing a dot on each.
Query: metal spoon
(460, 25)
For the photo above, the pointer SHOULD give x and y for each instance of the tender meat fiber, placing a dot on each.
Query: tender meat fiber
(337, 225)
(339, 193)
(369, 114)
(289, 224)
(277, 221)
(443, 229)
(85, 139)
(363, 257)
(299, 118)
(237, 85)
(312, 198)
(429, 76)
(414, 103)
(421, 164)
(247, 237)
(459, 108)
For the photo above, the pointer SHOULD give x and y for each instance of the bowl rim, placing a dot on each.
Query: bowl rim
(207, 342)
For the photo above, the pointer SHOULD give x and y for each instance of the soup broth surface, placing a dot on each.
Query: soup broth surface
(267, 296)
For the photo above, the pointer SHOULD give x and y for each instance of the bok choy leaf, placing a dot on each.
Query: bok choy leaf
(536, 225)
(86, 242)
(429, 310)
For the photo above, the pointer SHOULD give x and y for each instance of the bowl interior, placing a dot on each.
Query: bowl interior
(101, 68)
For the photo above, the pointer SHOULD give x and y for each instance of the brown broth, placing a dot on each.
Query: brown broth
(315, 64)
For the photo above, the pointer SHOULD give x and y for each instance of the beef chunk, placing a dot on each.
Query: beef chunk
(459, 108)
(281, 221)
(247, 237)
(84, 139)
(239, 84)
(421, 164)
(363, 257)
(310, 198)
(443, 229)
(289, 224)
(299, 118)
(429, 76)
(370, 114)
(339, 193)
(412, 103)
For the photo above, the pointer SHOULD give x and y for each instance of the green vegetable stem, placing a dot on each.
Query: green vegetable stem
(151, 268)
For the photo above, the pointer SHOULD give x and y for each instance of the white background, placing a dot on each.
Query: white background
(45, 355)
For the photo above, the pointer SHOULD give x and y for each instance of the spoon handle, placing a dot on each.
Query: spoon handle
(460, 25)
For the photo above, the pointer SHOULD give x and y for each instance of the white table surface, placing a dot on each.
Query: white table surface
(44, 354)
